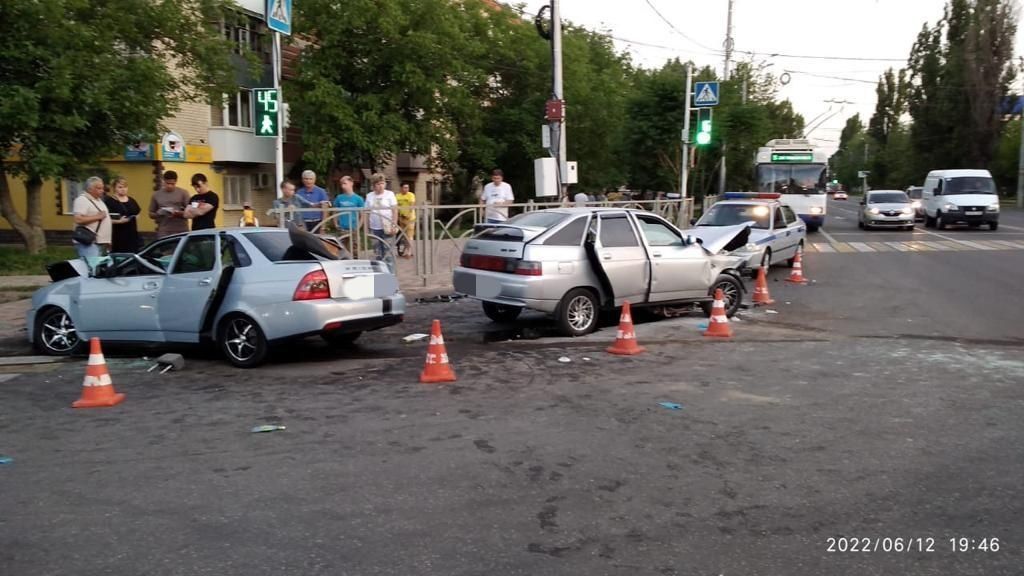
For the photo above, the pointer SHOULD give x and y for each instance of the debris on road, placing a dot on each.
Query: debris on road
(565, 359)
(702, 326)
(772, 311)
(670, 405)
(266, 428)
(439, 298)
(169, 362)
(585, 359)
(415, 337)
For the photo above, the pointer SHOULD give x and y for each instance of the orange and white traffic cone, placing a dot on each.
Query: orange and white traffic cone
(761, 295)
(797, 275)
(436, 369)
(718, 324)
(97, 389)
(625, 339)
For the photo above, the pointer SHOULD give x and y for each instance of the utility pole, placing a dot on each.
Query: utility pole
(279, 139)
(725, 78)
(1020, 162)
(558, 126)
(684, 165)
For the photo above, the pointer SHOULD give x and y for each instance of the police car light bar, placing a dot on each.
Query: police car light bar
(749, 195)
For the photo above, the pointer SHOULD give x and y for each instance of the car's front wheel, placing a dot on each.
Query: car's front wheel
(939, 223)
(732, 292)
(578, 312)
(928, 221)
(242, 341)
(55, 333)
(766, 259)
(501, 313)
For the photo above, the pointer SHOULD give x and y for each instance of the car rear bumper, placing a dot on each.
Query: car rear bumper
(509, 289)
(296, 319)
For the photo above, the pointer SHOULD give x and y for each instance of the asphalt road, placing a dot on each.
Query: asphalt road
(881, 401)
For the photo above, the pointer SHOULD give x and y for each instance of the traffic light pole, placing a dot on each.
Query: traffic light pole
(685, 164)
(279, 139)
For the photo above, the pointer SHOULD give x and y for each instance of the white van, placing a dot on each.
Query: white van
(960, 197)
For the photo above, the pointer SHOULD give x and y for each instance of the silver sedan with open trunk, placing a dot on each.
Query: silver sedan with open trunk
(574, 262)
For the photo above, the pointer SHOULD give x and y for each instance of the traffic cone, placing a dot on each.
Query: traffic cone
(436, 369)
(797, 275)
(761, 295)
(625, 339)
(718, 324)
(97, 389)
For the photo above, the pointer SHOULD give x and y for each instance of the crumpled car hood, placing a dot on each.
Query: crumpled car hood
(717, 239)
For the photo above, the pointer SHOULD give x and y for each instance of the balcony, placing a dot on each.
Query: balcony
(406, 162)
(239, 145)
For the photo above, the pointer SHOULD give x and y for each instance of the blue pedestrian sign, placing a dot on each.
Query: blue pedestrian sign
(279, 16)
(705, 94)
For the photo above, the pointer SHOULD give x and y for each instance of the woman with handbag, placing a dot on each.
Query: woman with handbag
(123, 210)
(91, 236)
(383, 221)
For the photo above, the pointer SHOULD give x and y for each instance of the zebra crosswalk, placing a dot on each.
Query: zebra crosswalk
(836, 247)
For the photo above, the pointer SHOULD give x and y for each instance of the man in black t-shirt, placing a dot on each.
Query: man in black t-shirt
(202, 206)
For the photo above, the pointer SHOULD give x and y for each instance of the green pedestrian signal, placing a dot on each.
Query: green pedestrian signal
(704, 133)
(266, 110)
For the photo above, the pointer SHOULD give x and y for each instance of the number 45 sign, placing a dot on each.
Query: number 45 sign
(266, 110)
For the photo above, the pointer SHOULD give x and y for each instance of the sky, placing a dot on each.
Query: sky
(873, 34)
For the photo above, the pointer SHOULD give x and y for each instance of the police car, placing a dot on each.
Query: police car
(776, 232)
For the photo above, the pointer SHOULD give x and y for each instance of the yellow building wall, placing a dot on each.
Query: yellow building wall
(141, 180)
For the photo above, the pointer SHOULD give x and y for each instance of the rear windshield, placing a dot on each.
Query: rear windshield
(540, 219)
(277, 246)
(888, 198)
(970, 185)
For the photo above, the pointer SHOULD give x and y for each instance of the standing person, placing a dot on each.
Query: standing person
(406, 221)
(123, 211)
(91, 213)
(350, 204)
(167, 207)
(315, 195)
(497, 196)
(202, 206)
(248, 219)
(581, 199)
(289, 202)
(383, 218)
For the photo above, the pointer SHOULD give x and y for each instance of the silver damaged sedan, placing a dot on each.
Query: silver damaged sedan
(574, 262)
(243, 289)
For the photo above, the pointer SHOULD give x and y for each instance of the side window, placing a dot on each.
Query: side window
(790, 216)
(616, 232)
(570, 235)
(780, 220)
(657, 233)
(160, 254)
(938, 188)
(232, 254)
(198, 255)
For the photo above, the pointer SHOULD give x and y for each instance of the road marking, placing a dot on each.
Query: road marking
(950, 245)
(975, 245)
(943, 236)
(861, 247)
(899, 246)
(1011, 227)
(993, 243)
(880, 246)
(823, 247)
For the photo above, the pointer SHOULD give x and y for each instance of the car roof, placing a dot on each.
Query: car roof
(885, 191)
(959, 173)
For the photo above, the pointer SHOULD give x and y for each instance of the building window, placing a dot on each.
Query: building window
(237, 111)
(237, 190)
(72, 189)
(248, 34)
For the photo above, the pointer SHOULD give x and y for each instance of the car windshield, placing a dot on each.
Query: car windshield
(732, 214)
(970, 185)
(791, 178)
(888, 198)
(915, 193)
(540, 219)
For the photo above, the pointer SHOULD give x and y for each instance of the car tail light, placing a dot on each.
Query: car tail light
(492, 263)
(313, 286)
(528, 268)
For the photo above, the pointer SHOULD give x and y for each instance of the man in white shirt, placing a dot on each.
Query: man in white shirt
(383, 221)
(91, 212)
(581, 199)
(496, 197)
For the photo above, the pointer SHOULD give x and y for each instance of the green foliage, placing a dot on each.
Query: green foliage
(18, 262)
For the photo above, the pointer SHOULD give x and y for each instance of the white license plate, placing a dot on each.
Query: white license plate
(973, 213)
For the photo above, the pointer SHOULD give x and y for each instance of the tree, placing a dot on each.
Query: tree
(889, 108)
(102, 74)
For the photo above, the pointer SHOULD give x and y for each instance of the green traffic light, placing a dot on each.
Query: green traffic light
(703, 138)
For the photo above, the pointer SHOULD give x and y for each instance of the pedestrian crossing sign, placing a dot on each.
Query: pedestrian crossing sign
(279, 16)
(705, 94)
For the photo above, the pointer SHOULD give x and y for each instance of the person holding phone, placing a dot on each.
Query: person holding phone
(202, 206)
(123, 213)
(167, 207)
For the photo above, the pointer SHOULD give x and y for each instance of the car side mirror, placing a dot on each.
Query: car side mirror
(693, 221)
